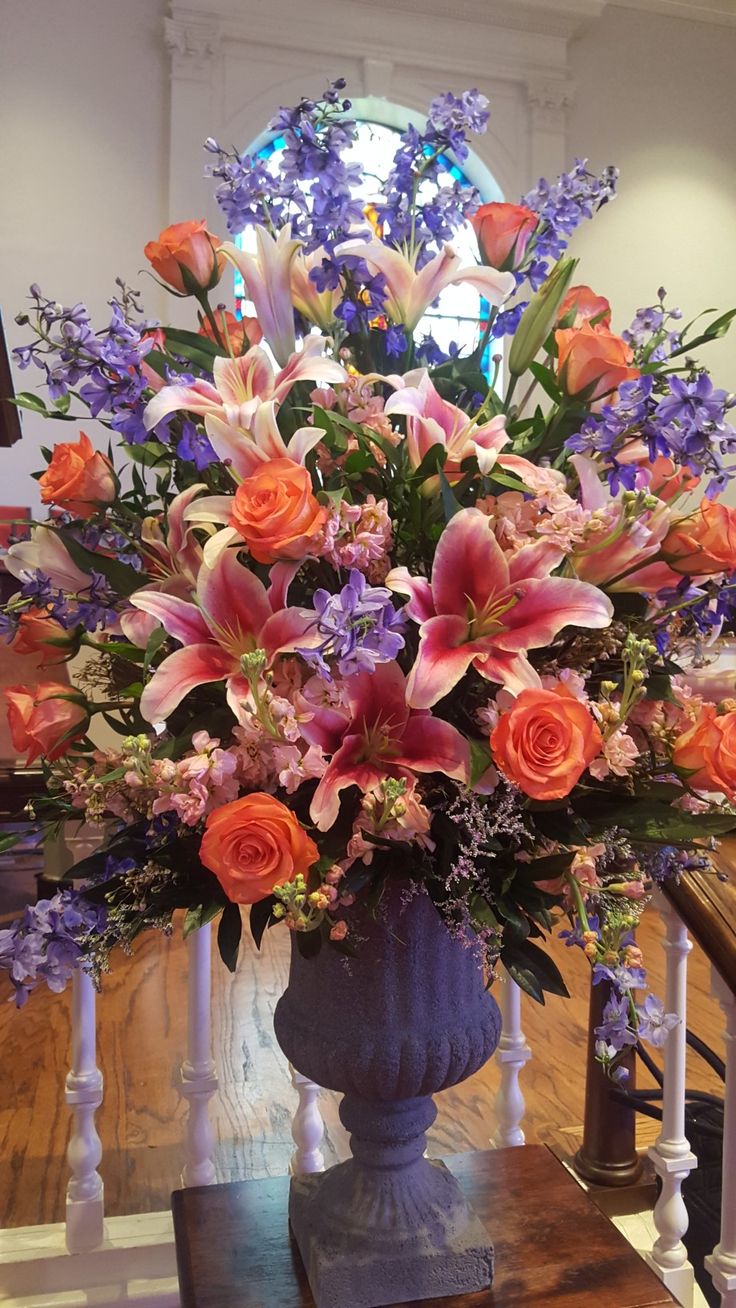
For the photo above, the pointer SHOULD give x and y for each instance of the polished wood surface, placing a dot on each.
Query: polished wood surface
(554, 1249)
(708, 906)
(142, 1039)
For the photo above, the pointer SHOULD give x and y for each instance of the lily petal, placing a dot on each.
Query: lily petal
(182, 671)
(444, 656)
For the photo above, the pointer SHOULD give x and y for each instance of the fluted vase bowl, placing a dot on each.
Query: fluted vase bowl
(409, 1016)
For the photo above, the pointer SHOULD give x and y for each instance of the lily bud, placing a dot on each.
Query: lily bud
(540, 316)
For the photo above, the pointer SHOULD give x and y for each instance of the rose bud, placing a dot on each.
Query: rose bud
(79, 478)
(46, 719)
(592, 361)
(503, 232)
(186, 257)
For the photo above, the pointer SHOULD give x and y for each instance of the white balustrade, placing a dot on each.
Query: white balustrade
(513, 1052)
(722, 1262)
(85, 1204)
(198, 1075)
(307, 1128)
(672, 1156)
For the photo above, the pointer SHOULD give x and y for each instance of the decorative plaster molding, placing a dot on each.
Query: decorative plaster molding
(549, 101)
(720, 12)
(193, 43)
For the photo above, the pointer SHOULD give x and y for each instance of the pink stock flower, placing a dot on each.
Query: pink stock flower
(233, 615)
(239, 407)
(409, 293)
(483, 609)
(359, 536)
(619, 756)
(621, 552)
(379, 736)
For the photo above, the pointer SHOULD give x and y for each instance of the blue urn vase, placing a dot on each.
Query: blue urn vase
(409, 1016)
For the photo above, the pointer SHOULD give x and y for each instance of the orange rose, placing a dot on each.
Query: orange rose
(45, 719)
(186, 257)
(238, 333)
(35, 630)
(503, 232)
(703, 543)
(78, 478)
(580, 304)
(276, 512)
(592, 360)
(545, 742)
(254, 844)
(707, 752)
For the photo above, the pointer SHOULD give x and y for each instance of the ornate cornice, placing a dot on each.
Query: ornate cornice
(193, 42)
(549, 100)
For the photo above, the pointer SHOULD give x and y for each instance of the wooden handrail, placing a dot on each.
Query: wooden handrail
(707, 905)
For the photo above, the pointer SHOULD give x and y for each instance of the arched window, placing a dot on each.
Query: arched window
(454, 320)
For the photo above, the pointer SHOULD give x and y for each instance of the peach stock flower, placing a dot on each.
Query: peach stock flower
(581, 304)
(253, 844)
(545, 742)
(78, 478)
(45, 719)
(503, 232)
(276, 512)
(592, 361)
(707, 752)
(703, 543)
(186, 257)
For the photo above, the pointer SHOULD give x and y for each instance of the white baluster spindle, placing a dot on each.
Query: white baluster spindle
(307, 1127)
(513, 1052)
(672, 1156)
(722, 1262)
(85, 1198)
(198, 1075)
(85, 1209)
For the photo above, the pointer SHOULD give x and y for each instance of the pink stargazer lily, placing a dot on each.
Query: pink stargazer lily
(241, 386)
(623, 555)
(433, 421)
(409, 293)
(234, 614)
(378, 737)
(483, 608)
(267, 277)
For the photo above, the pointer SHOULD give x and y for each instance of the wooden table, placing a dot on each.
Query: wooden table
(554, 1249)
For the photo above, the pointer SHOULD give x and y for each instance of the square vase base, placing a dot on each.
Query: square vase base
(356, 1270)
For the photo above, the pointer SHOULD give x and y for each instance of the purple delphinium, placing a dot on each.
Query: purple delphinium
(562, 206)
(194, 445)
(46, 943)
(360, 626)
(654, 1024)
(615, 1028)
(622, 977)
(107, 363)
(650, 335)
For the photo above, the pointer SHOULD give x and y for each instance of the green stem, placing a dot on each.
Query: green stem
(580, 909)
(205, 303)
(509, 391)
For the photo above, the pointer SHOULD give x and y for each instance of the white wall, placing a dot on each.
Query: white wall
(85, 158)
(83, 162)
(657, 96)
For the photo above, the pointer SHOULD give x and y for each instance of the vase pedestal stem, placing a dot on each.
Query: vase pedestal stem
(388, 1226)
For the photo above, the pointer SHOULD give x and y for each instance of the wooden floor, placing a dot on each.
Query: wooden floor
(142, 1034)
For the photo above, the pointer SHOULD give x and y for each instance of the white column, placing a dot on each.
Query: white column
(307, 1127)
(83, 1093)
(513, 1052)
(672, 1157)
(722, 1262)
(198, 1076)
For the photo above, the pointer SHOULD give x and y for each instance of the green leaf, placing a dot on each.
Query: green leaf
(155, 641)
(547, 381)
(657, 823)
(123, 579)
(532, 969)
(449, 503)
(228, 935)
(480, 760)
(190, 345)
(261, 916)
(63, 402)
(27, 400)
(150, 454)
(199, 916)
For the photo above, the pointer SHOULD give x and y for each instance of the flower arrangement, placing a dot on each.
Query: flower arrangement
(355, 605)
